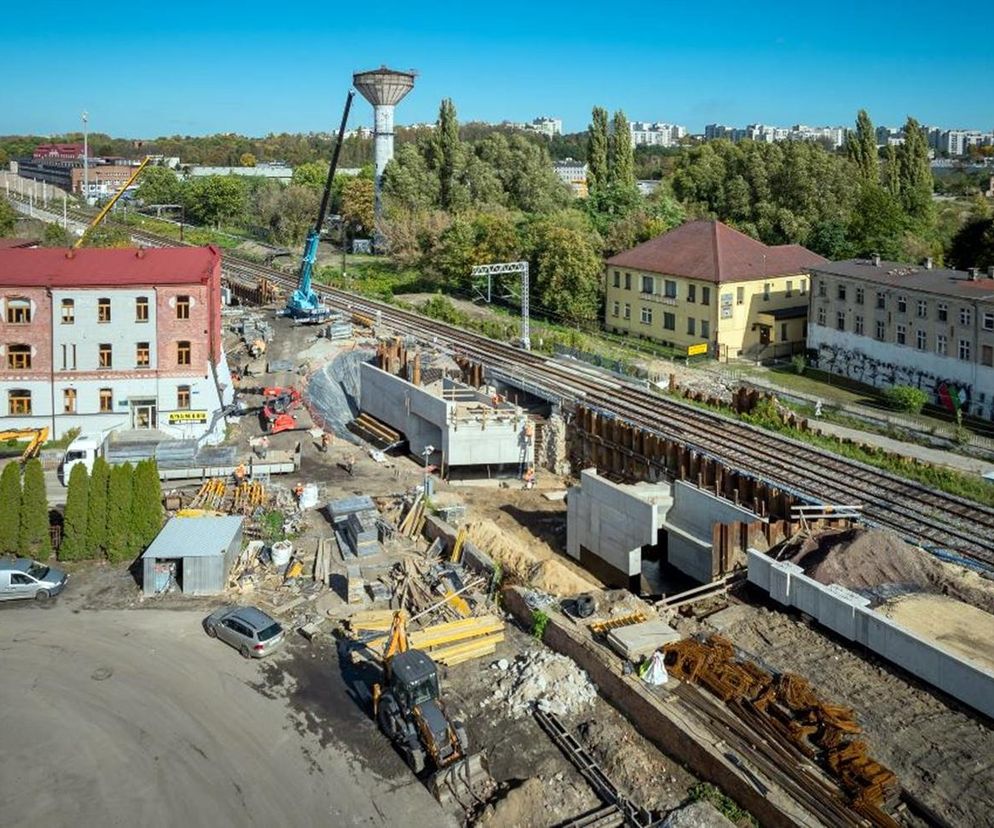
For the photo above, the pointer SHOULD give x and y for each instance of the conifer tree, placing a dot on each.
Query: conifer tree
(862, 148)
(33, 539)
(146, 511)
(915, 173)
(597, 149)
(446, 136)
(73, 547)
(119, 501)
(621, 156)
(10, 508)
(96, 511)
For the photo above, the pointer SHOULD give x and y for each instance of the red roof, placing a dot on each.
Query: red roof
(715, 252)
(107, 267)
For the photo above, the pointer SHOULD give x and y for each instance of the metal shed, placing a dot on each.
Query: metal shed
(194, 553)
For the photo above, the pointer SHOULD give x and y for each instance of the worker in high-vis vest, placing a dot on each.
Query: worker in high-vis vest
(529, 478)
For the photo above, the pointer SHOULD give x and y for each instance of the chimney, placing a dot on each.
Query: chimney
(928, 263)
(876, 260)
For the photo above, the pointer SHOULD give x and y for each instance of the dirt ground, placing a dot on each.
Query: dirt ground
(942, 754)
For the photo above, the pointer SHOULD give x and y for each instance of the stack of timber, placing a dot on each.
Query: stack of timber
(448, 643)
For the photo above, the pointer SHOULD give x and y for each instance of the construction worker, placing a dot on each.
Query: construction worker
(350, 464)
(240, 473)
(298, 492)
(529, 477)
(262, 447)
(325, 442)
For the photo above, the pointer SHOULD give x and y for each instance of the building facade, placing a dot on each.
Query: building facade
(574, 173)
(706, 285)
(105, 339)
(888, 324)
(59, 151)
(102, 179)
(645, 134)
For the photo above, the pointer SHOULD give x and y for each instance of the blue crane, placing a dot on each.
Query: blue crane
(305, 305)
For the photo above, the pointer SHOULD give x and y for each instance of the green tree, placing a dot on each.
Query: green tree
(357, 204)
(8, 218)
(447, 152)
(892, 171)
(96, 508)
(906, 398)
(878, 224)
(409, 182)
(597, 149)
(33, 540)
(621, 158)
(159, 185)
(55, 235)
(568, 274)
(247, 159)
(973, 245)
(915, 175)
(10, 507)
(73, 546)
(146, 509)
(120, 490)
(312, 174)
(861, 147)
(108, 235)
(214, 199)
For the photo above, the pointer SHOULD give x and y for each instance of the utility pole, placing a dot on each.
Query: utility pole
(86, 158)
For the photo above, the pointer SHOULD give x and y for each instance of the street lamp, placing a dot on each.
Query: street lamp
(86, 158)
(427, 451)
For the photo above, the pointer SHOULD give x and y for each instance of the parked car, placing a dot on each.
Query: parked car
(248, 629)
(25, 578)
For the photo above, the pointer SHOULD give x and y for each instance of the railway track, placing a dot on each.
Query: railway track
(918, 512)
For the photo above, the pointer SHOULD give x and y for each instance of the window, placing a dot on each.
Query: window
(804, 286)
(628, 311)
(615, 308)
(840, 321)
(183, 353)
(989, 321)
(68, 357)
(691, 326)
(182, 307)
(669, 321)
(69, 401)
(20, 579)
(18, 401)
(881, 301)
(705, 296)
(942, 312)
(183, 396)
(842, 293)
(617, 279)
(106, 356)
(921, 340)
(965, 316)
(860, 295)
(821, 316)
(922, 309)
(628, 281)
(964, 350)
(141, 355)
(783, 331)
(902, 334)
(987, 355)
(691, 293)
(705, 328)
(106, 400)
(740, 295)
(857, 325)
(141, 309)
(103, 310)
(646, 316)
(902, 304)
(18, 357)
(767, 286)
(68, 312)
(790, 289)
(647, 284)
(670, 289)
(881, 331)
(941, 345)
(822, 288)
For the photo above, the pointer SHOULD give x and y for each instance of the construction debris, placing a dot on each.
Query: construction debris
(543, 679)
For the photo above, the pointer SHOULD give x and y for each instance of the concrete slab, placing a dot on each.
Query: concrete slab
(638, 640)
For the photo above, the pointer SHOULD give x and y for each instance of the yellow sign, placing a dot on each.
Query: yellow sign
(178, 417)
(700, 348)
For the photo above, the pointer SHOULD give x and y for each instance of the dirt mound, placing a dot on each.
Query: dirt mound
(878, 561)
(523, 566)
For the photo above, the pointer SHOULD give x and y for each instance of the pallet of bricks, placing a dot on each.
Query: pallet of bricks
(784, 707)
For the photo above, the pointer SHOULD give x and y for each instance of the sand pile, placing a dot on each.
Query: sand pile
(865, 560)
(956, 626)
(543, 679)
(522, 565)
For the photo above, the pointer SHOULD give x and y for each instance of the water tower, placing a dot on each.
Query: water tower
(384, 88)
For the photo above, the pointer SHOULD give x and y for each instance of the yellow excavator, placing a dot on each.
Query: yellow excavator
(410, 712)
(37, 438)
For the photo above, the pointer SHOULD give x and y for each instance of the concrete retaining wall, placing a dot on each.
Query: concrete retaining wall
(849, 615)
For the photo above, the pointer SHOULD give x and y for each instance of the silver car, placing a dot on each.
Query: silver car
(25, 578)
(248, 629)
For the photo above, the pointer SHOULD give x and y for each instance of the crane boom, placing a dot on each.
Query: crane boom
(304, 303)
(107, 207)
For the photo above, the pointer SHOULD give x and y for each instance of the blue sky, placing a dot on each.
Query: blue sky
(196, 68)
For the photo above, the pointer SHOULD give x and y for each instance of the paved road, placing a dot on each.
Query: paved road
(122, 718)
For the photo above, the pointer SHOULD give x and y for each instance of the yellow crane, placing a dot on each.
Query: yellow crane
(107, 207)
(38, 438)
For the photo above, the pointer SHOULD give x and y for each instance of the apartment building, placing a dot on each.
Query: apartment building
(103, 339)
(706, 287)
(888, 324)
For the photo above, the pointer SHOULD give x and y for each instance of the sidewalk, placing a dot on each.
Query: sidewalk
(937, 457)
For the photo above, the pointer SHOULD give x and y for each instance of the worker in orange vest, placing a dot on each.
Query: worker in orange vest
(240, 474)
(529, 478)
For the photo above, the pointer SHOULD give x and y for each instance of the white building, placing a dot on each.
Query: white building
(279, 172)
(656, 134)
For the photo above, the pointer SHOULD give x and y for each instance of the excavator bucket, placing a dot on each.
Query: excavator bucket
(465, 782)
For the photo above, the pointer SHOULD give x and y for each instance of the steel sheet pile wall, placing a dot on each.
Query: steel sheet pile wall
(849, 615)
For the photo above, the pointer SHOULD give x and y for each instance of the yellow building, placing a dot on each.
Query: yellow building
(704, 283)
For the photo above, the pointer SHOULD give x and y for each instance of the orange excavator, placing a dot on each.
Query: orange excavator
(37, 438)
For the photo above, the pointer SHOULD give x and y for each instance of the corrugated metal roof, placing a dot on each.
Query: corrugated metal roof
(194, 537)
